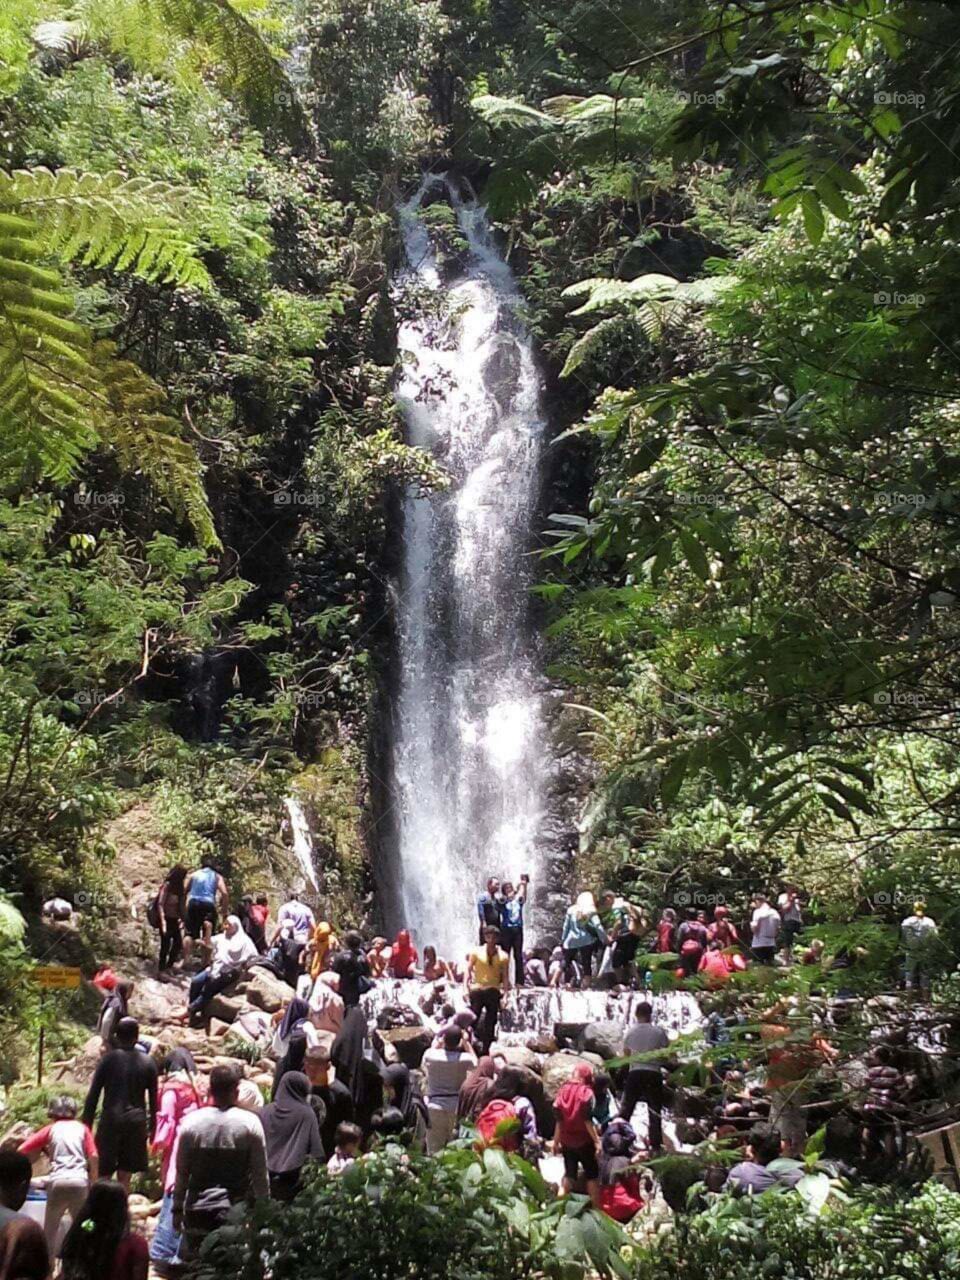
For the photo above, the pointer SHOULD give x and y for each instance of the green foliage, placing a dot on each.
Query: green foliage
(394, 1215)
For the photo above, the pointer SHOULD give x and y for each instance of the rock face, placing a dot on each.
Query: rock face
(263, 990)
(559, 1068)
(602, 1038)
(403, 1044)
(518, 1056)
(224, 1008)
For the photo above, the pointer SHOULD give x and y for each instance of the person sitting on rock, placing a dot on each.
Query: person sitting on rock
(232, 951)
(378, 957)
(403, 956)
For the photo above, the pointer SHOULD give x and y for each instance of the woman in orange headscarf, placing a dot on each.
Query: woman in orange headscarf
(323, 942)
(403, 956)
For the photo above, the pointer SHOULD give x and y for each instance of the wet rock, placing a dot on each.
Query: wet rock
(518, 1055)
(559, 1068)
(224, 1008)
(602, 1038)
(218, 1029)
(398, 1015)
(543, 1045)
(263, 990)
(568, 1034)
(403, 1044)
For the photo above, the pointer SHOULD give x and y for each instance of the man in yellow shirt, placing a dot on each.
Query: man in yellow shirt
(488, 979)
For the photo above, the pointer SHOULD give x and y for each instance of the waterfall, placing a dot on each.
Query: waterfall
(302, 839)
(466, 770)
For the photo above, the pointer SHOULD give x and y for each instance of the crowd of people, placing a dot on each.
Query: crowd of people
(218, 1141)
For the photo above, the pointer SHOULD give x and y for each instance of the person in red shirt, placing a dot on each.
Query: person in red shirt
(715, 966)
(576, 1137)
(100, 1244)
(666, 931)
(723, 930)
(620, 1196)
(70, 1147)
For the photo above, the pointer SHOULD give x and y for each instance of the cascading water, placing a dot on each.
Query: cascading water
(302, 839)
(467, 771)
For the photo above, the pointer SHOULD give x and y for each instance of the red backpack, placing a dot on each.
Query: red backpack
(498, 1125)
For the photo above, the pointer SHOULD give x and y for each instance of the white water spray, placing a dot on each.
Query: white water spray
(467, 753)
(302, 839)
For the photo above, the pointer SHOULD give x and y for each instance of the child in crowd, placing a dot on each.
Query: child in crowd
(347, 1148)
(70, 1147)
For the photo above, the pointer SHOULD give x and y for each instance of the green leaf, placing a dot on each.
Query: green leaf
(813, 220)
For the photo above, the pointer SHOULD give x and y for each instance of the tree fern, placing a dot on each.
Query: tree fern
(60, 394)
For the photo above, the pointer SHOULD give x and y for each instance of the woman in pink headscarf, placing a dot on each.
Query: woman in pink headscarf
(403, 956)
(576, 1137)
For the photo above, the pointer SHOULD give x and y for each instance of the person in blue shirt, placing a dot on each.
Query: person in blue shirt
(489, 906)
(511, 923)
(204, 889)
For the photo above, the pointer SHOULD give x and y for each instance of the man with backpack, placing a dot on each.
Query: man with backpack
(205, 889)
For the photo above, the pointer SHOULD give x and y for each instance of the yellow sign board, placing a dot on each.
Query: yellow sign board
(55, 977)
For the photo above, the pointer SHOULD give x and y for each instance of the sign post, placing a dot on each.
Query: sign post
(51, 977)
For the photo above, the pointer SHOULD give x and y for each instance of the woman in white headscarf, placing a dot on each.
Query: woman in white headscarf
(232, 951)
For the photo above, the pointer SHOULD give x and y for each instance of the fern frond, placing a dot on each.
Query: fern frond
(251, 71)
(505, 113)
(106, 220)
(590, 343)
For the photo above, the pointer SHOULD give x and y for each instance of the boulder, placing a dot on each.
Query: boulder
(224, 1008)
(16, 1134)
(392, 1016)
(558, 1069)
(263, 990)
(517, 1055)
(218, 1029)
(154, 1002)
(543, 1045)
(568, 1033)
(603, 1038)
(403, 1044)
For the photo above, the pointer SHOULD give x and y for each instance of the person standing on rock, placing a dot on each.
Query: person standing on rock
(489, 907)
(299, 917)
(69, 1146)
(171, 903)
(113, 1009)
(292, 1135)
(205, 889)
(352, 968)
(583, 935)
(764, 930)
(100, 1244)
(644, 1081)
(487, 982)
(127, 1080)
(221, 1161)
(511, 927)
(576, 1137)
(446, 1070)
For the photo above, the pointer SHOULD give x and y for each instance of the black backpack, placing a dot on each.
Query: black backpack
(153, 912)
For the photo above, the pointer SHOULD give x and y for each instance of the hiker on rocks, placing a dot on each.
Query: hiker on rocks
(691, 941)
(487, 982)
(644, 1082)
(510, 1086)
(378, 957)
(114, 1008)
(100, 1244)
(71, 1150)
(127, 1081)
(513, 902)
(352, 968)
(576, 1137)
(715, 967)
(401, 1091)
(169, 908)
(753, 1175)
(291, 1040)
(918, 933)
(23, 1249)
(436, 969)
(624, 924)
(232, 951)
(205, 890)
(221, 1161)
(347, 1149)
(583, 935)
(258, 916)
(667, 932)
(764, 930)
(620, 1192)
(296, 916)
(535, 967)
(180, 1096)
(722, 929)
(320, 950)
(447, 1068)
(292, 1135)
(488, 907)
(403, 956)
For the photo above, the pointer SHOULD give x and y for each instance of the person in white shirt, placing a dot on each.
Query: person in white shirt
(917, 933)
(764, 930)
(298, 918)
(347, 1148)
(446, 1069)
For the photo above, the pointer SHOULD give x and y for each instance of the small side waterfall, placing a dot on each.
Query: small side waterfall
(302, 840)
(467, 769)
